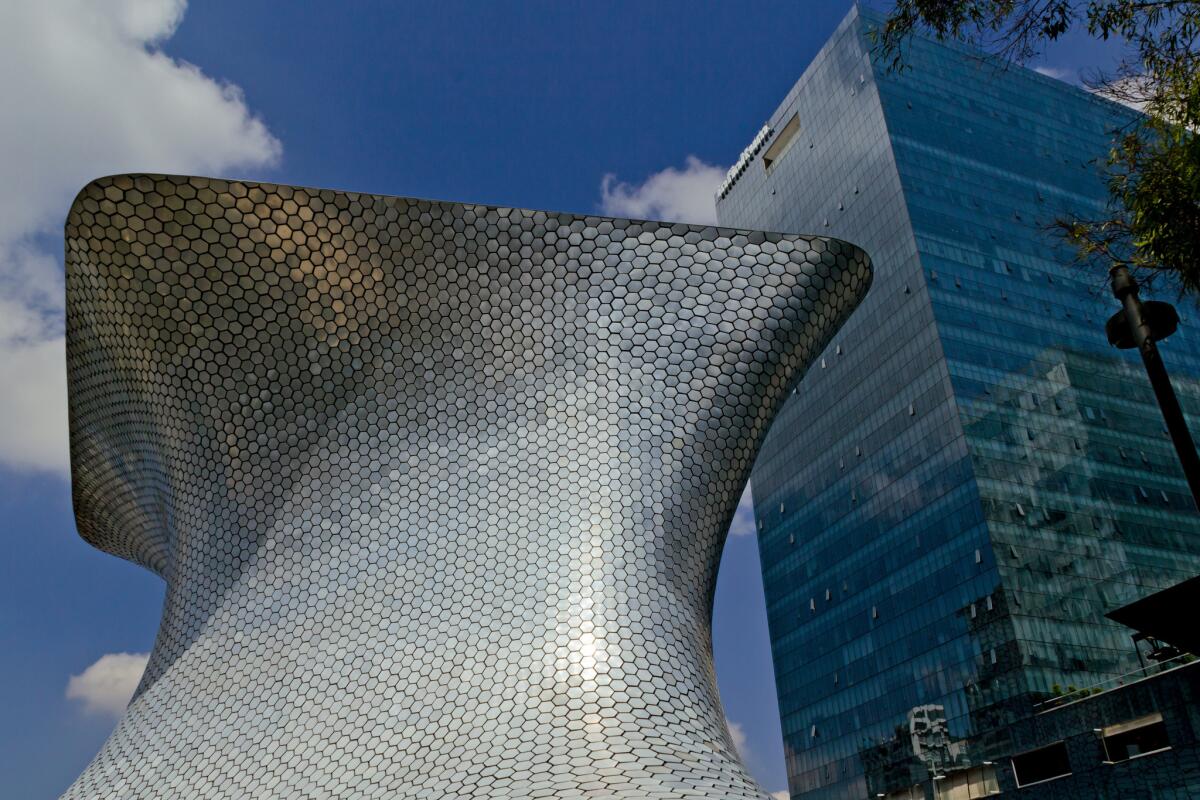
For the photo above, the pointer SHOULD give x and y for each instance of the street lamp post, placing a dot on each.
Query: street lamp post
(1140, 324)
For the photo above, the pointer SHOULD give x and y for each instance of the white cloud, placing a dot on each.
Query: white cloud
(675, 195)
(1132, 91)
(1058, 73)
(106, 686)
(743, 518)
(738, 734)
(88, 93)
(33, 402)
(741, 743)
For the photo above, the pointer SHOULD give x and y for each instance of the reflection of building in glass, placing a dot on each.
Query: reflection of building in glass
(1073, 462)
(920, 749)
(438, 490)
(970, 477)
(931, 742)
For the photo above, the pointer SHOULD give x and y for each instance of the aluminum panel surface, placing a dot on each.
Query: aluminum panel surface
(439, 491)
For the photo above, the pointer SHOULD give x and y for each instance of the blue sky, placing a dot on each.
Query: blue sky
(629, 108)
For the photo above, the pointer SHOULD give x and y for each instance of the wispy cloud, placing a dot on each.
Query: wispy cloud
(738, 734)
(743, 518)
(89, 92)
(740, 741)
(1058, 73)
(106, 686)
(675, 195)
(1132, 91)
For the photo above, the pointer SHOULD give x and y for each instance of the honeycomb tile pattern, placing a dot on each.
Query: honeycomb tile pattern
(438, 490)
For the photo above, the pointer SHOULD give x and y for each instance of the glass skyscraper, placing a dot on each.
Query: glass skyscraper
(969, 477)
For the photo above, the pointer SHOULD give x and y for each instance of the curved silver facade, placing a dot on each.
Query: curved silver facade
(438, 490)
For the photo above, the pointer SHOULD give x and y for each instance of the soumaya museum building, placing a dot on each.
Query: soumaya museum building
(970, 478)
(438, 490)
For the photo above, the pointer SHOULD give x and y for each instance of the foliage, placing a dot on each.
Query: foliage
(1153, 168)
